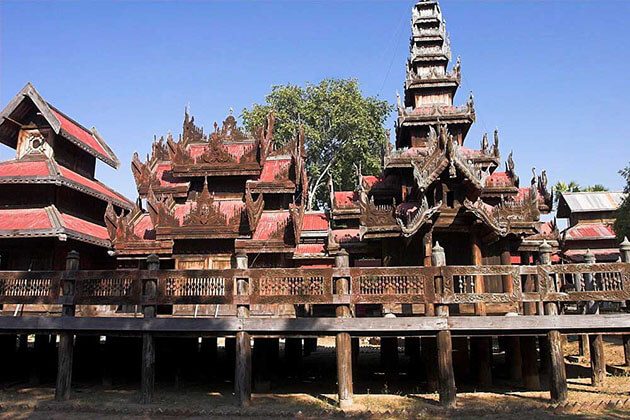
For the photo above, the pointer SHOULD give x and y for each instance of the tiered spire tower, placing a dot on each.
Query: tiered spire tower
(429, 87)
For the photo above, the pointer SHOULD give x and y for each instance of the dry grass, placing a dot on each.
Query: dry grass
(374, 399)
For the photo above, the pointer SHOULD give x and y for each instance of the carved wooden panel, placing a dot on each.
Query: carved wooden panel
(25, 287)
(104, 287)
(391, 285)
(291, 286)
(195, 286)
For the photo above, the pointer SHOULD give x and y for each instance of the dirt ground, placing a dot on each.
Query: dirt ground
(374, 396)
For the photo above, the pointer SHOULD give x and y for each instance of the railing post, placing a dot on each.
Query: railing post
(149, 309)
(243, 364)
(343, 341)
(481, 347)
(513, 358)
(558, 375)
(66, 347)
(596, 341)
(531, 377)
(624, 249)
(446, 375)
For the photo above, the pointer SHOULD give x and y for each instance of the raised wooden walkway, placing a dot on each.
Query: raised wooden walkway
(540, 291)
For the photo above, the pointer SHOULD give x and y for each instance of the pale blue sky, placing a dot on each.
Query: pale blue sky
(552, 75)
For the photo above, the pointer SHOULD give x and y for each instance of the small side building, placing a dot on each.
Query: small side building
(50, 201)
(591, 216)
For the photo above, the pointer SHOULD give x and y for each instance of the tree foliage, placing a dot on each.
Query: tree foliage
(622, 222)
(342, 129)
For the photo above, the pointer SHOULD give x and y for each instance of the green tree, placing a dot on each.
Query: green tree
(622, 222)
(342, 129)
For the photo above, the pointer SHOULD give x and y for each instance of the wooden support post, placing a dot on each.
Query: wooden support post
(596, 342)
(557, 373)
(149, 309)
(624, 249)
(412, 349)
(481, 347)
(293, 355)
(446, 374)
(243, 365)
(66, 347)
(529, 352)
(598, 361)
(513, 358)
(583, 345)
(343, 341)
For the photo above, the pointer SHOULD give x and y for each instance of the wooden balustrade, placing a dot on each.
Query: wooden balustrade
(553, 283)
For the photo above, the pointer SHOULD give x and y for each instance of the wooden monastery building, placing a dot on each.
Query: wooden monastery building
(50, 201)
(434, 187)
(590, 216)
(444, 237)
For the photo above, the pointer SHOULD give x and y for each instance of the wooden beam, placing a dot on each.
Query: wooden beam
(408, 326)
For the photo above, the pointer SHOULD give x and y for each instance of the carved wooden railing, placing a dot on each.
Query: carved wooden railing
(450, 285)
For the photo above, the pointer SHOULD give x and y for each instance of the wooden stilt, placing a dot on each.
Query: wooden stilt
(626, 348)
(243, 369)
(389, 356)
(243, 363)
(446, 375)
(557, 372)
(481, 356)
(66, 345)
(412, 349)
(583, 345)
(513, 357)
(147, 380)
(343, 341)
(147, 375)
(598, 361)
(529, 353)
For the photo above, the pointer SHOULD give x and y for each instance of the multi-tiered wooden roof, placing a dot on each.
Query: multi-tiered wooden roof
(49, 189)
(228, 185)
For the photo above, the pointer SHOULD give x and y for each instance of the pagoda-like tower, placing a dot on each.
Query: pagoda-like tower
(50, 201)
(206, 198)
(433, 188)
(429, 86)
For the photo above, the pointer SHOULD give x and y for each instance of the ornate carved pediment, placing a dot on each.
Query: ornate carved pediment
(204, 212)
(254, 209)
(178, 153)
(377, 215)
(229, 132)
(487, 215)
(411, 221)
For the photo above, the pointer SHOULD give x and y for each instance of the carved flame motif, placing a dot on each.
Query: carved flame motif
(119, 227)
(377, 215)
(161, 210)
(254, 209)
(410, 223)
(297, 218)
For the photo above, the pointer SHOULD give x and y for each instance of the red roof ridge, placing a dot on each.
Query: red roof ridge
(88, 140)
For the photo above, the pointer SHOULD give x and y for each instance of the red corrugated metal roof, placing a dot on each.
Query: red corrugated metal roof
(310, 249)
(92, 184)
(314, 221)
(24, 219)
(83, 226)
(268, 224)
(275, 167)
(346, 235)
(83, 135)
(346, 198)
(499, 179)
(596, 252)
(17, 168)
(144, 228)
(589, 231)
